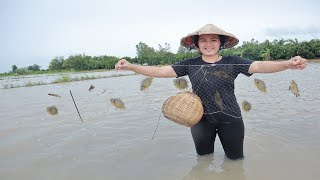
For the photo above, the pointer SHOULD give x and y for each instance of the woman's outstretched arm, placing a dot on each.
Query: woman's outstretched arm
(152, 71)
(296, 62)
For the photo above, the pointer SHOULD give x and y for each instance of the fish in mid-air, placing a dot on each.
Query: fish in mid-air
(52, 110)
(294, 88)
(218, 100)
(91, 88)
(117, 103)
(246, 106)
(180, 83)
(260, 85)
(221, 74)
(55, 95)
(146, 83)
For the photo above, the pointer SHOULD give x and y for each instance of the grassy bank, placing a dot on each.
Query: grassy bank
(62, 79)
(11, 74)
(313, 60)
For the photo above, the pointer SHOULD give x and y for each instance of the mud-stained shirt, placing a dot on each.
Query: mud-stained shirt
(214, 82)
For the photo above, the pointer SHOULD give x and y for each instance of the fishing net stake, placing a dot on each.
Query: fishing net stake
(156, 127)
(76, 106)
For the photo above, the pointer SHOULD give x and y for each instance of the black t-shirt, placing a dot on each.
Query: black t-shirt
(214, 82)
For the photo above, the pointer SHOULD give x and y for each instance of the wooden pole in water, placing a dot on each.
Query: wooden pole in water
(76, 106)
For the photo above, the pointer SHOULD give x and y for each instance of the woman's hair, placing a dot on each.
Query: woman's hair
(221, 37)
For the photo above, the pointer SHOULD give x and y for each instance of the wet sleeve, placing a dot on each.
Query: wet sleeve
(243, 65)
(181, 68)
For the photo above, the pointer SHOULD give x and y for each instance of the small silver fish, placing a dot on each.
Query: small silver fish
(246, 106)
(91, 88)
(117, 103)
(218, 100)
(260, 85)
(294, 88)
(52, 110)
(55, 95)
(180, 83)
(221, 74)
(146, 83)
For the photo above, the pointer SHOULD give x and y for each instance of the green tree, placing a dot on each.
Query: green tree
(14, 68)
(22, 71)
(34, 67)
(266, 54)
(56, 63)
(145, 53)
(251, 49)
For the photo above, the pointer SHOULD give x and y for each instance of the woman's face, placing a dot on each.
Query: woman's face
(209, 44)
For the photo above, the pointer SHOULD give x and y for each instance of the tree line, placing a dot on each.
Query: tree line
(253, 49)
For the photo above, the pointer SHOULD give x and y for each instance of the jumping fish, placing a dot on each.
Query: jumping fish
(117, 103)
(55, 95)
(260, 85)
(246, 106)
(294, 88)
(180, 83)
(218, 100)
(146, 83)
(91, 88)
(221, 74)
(52, 110)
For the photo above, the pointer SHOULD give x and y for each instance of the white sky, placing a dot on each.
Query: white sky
(36, 31)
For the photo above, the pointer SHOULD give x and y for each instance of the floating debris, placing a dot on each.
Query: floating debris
(246, 106)
(117, 103)
(146, 83)
(55, 95)
(180, 83)
(102, 92)
(294, 88)
(260, 85)
(91, 88)
(52, 110)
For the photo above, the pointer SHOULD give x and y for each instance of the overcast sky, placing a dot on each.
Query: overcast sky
(36, 31)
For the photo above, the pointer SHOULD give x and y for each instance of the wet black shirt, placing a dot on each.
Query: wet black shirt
(214, 82)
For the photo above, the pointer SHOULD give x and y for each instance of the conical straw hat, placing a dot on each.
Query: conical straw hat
(184, 108)
(230, 39)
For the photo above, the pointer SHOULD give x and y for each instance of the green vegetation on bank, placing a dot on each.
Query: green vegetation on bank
(47, 71)
(68, 78)
(62, 79)
(267, 50)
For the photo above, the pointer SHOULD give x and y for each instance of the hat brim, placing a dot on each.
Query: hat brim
(230, 39)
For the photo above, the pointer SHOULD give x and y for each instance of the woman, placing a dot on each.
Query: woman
(212, 77)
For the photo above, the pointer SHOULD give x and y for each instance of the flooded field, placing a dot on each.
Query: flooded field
(281, 136)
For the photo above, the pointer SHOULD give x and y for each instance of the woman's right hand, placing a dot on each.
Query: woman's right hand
(122, 64)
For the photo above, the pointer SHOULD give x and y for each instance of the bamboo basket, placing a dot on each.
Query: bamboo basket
(185, 108)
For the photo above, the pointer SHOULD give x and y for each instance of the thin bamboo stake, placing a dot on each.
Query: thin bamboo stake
(76, 106)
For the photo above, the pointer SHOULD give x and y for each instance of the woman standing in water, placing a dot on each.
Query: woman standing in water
(225, 121)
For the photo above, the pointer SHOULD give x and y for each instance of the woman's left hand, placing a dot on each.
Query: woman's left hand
(297, 62)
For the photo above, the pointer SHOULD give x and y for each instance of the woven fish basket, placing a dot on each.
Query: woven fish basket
(185, 108)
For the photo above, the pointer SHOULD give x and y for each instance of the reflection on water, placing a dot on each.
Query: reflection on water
(208, 168)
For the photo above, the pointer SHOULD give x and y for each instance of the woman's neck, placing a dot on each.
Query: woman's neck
(212, 59)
